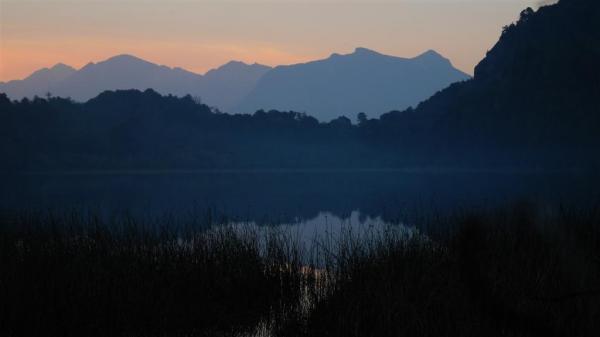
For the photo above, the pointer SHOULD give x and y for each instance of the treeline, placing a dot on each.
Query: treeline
(532, 102)
(144, 130)
(133, 129)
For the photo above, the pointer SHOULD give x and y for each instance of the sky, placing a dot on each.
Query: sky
(199, 35)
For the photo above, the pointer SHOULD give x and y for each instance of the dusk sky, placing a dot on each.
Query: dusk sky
(202, 34)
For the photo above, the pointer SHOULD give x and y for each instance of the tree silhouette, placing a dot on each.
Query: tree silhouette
(361, 117)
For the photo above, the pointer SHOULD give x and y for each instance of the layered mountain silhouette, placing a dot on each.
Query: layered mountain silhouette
(37, 84)
(222, 87)
(533, 102)
(364, 81)
(344, 85)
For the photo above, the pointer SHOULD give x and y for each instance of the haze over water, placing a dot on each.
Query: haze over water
(273, 197)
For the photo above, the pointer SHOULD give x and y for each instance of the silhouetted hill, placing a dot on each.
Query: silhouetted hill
(364, 81)
(222, 87)
(134, 129)
(533, 97)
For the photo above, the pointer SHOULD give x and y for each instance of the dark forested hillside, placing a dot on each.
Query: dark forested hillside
(534, 101)
(133, 129)
(535, 97)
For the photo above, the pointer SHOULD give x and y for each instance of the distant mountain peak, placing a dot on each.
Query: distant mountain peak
(235, 67)
(125, 57)
(57, 72)
(359, 51)
(431, 54)
(62, 67)
(89, 64)
(117, 59)
(431, 58)
(365, 51)
(230, 65)
(123, 60)
(234, 63)
(241, 64)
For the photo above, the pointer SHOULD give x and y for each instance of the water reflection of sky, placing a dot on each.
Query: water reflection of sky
(327, 229)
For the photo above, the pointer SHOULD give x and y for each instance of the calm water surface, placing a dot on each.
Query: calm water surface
(316, 199)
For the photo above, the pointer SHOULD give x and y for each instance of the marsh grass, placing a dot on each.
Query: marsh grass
(76, 276)
(518, 271)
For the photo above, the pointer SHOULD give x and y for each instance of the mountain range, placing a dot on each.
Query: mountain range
(343, 85)
(363, 81)
(222, 87)
(532, 103)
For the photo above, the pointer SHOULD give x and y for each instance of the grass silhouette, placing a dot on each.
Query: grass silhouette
(517, 271)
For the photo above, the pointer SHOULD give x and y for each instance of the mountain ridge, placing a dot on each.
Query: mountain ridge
(229, 85)
(344, 85)
(131, 72)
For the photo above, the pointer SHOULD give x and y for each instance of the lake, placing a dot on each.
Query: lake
(289, 196)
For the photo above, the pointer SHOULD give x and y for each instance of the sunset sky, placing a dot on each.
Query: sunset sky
(202, 34)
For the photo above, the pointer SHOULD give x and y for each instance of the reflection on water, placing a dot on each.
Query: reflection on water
(327, 228)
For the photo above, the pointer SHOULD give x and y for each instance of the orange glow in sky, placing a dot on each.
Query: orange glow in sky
(203, 34)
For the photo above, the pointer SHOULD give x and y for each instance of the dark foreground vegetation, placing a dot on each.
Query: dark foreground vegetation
(515, 272)
(76, 277)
